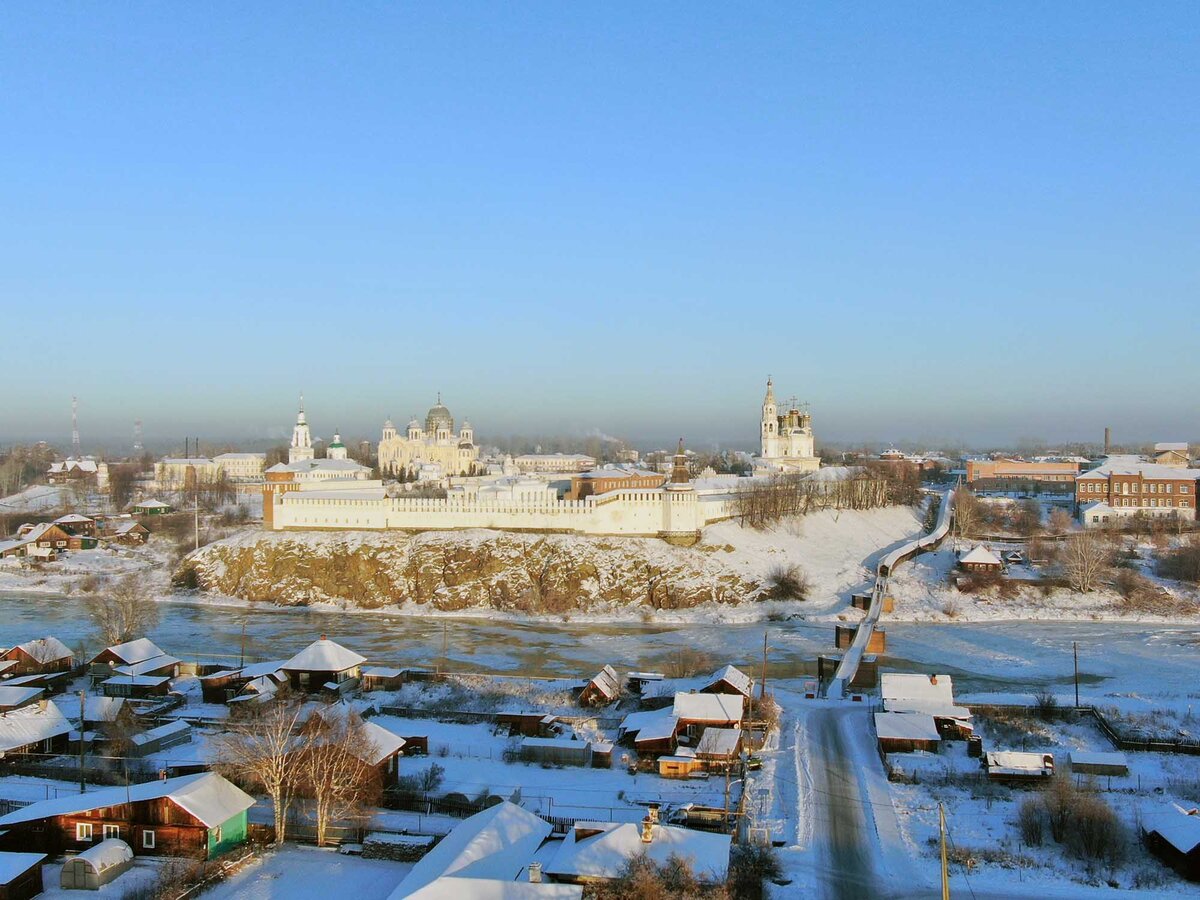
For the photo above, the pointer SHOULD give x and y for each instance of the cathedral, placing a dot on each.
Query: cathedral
(435, 443)
(787, 439)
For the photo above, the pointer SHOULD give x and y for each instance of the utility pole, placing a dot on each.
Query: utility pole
(445, 644)
(1075, 652)
(242, 660)
(82, 725)
(196, 508)
(945, 866)
(762, 686)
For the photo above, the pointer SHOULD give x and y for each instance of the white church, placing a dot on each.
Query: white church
(787, 441)
(302, 464)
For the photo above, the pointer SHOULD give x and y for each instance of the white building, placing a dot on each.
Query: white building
(436, 443)
(241, 468)
(554, 462)
(301, 447)
(787, 441)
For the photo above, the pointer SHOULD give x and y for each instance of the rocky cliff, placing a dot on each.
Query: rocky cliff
(452, 571)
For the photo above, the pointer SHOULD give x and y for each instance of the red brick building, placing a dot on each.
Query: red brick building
(612, 478)
(1124, 487)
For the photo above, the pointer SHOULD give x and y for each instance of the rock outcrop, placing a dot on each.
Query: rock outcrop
(455, 571)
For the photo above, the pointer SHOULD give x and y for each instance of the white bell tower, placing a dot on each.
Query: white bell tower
(770, 424)
(301, 448)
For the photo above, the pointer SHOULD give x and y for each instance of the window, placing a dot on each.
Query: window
(1183, 489)
(1169, 486)
(148, 839)
(112, 831)
(83, 831)
(216, 835)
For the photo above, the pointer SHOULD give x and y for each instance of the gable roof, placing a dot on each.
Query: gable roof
(709, 707)
(208, 797)
(323, 655)
(734, 677)
(1177, 826)
(494, 844)
(607, 683)
(906, 726)
(30, 724)
(18, 696)
(135, 651)
(980, 556)
(452, 888)
(605, 848)
(44, 650)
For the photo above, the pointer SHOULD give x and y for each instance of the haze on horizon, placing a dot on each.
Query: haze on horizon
(975, 226)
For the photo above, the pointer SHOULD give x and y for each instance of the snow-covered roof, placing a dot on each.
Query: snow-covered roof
(135, 651)
(1097, 758)
(1019, 762)
(1176, 825)
(31, 724)
(15, 864)
(896, 686)
(719, 742)
(106, 854)
(906, 727)
(1168, 446)
(162, 731)
(140, 680)
(153, 664)
(72, 519)
(18, 696)
(126, 527)
(323, 655)
(980, 556)
(601, 849)
(208, 797)
(495, 889)
(1124, 465)
(709, 707)
(734, 677)
(607, 682)
(653, 724)
(151, 504)
(47, 649)
(494, 844)
(221, 456)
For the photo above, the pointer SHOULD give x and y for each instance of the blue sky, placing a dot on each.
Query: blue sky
(932, 221)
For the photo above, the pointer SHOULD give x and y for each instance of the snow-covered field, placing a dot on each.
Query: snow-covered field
(923, 593)
(308, 873)
(38, 498)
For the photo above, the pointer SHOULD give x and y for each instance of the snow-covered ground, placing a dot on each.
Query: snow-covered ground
(65, 575)
(309, 873)
(39, 498)
(923, 593)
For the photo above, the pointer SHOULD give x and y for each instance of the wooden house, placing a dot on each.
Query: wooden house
(906, 732)
(136, 686)
(981, 560)
(137, 657)
(195, 816)
(529, 724)
(679, 765)
(719, 747)
(1101, 763)
(728, 680)
(15, 697)
(130, 533)
(604, 688)
(378, 748)
(38, 657)
(324, 665)
(74, 523)
(152, 508)
(383, 678)
(695, 712)
(1173, 835)
(20, 875)
(40, 728)
(224, 685)
(557, 751)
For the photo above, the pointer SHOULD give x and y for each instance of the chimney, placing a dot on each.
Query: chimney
(535, 873)
(933, 679)
(324, 638)
(652, 813)
(1107, 440)
(647, 830)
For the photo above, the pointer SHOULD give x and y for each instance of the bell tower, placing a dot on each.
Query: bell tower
(301, 448)
(770, 423)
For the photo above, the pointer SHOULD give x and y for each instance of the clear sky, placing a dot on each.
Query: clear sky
(931, 221)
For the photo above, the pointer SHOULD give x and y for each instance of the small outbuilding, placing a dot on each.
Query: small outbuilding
(1085, 762)
(556, 751)
(324, 665)
(1017, 766)
(907, 732)
(152, 508)
(603, 689)
(97, 866)
(20, 875)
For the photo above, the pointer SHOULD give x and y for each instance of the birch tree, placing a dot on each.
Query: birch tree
(1085, 559)
(259, 752)
(123, 612)
(334, 768)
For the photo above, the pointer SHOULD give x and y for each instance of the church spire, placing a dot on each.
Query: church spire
(770, 398)
(679, 470)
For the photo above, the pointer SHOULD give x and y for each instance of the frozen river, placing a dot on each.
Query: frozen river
(1016, 657)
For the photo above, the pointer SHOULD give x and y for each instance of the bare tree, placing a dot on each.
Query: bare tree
(1060, 521)
(1085, 559)
(123, 612)
(966, 512)
(259, 752)
(335, 767)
